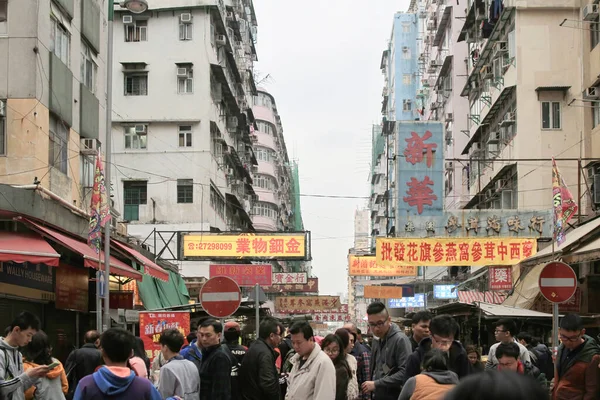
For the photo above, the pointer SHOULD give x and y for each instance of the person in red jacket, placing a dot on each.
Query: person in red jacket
(577, 374)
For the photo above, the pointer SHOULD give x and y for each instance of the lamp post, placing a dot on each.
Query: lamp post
(136, 7)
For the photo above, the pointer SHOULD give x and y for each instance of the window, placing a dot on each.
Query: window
(87, 169)
(136, 137)
(265, 182)
(135, 193)
(58, 156)
(2, 128)
(265, 127)
(265, 210)
(60, 40)
(185, 30)
(263, 154)
(406, 53)
(406, 79)
(137, 31)
(406, 105)
(406, 27)
(185, 190)
(185, 136)
(185, 79)
(136, 84)
(89, 67)
(3, 16)
(551, 115)
(594, 31)
(263, 100)
(213, 35)
(217, 202)
(595, 115)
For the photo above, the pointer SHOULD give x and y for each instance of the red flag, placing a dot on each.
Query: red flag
(563, 204)
(99, 209)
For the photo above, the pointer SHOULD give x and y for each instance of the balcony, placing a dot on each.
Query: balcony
(442, 25)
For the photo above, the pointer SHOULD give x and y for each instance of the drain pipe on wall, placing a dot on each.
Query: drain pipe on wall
(56, 198)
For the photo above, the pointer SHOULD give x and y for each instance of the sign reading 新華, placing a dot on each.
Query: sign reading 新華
(153, 324)
(368, 266)
(443, 252)
(244, 274)
(291, 246)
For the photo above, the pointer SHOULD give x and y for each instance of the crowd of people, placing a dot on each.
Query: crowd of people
(429, 364)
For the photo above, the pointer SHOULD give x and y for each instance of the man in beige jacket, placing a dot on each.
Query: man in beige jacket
(313, 374)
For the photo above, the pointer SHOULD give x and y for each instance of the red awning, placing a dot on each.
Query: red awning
(23, 247)
(90, 258)
(150, 267)
(469, 297)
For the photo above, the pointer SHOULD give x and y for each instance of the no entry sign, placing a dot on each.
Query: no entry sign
(220, 297)
(558, 282)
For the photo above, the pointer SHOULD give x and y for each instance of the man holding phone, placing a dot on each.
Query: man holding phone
(13, 381)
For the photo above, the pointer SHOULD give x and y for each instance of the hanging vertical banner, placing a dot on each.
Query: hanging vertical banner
(99, 209)
(500, 278)
(563, 203)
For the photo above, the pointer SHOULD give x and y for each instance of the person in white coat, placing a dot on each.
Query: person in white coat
(313, 375)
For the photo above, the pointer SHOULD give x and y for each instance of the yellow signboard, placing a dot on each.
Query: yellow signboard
(442, 252)
(383, 292)
(245, 246)
(367, 266)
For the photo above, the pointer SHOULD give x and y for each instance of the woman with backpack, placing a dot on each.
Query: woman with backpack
(54, 385)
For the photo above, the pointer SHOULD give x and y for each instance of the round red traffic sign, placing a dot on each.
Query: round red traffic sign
(220, 297)
(558, 282)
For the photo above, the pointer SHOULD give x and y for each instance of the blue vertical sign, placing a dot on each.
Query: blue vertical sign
(420, 171)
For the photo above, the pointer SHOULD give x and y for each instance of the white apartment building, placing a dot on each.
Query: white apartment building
(362, 230)
(183, 90)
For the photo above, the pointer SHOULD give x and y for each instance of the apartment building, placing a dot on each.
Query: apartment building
(52, 94)
(532, 96)
(378, 177)
(183, 91)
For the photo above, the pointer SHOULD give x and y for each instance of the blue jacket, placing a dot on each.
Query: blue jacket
(103, 384)
(193, 354)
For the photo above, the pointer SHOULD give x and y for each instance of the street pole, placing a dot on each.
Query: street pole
(108, 159)
(257, 306)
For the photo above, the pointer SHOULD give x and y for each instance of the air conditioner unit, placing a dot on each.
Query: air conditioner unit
(127, 19)
(500, 185)
(229, 171)
(475, 147)
(449, 165)
(501, 47)
(2, 108)
(140, 129)
(591, 93)
(509, 119)
(186, 17)
(243, 104)
(449, 117)
(182, 72)
(433, 64)
(88, 147)
(232, 122)
(221, 40)
(494, 137)
(486, 72)
(405, 49)
(590, 12)
(230, 15)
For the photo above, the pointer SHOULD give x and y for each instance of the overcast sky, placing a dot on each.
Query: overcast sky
(323, 58)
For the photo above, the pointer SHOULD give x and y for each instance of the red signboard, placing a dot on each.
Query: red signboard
(332, 317)
(312, 286)
(558, 282)
(152, 324)
(500, 278)
(121, 299)
(220, 297)
(287, 278)
(244, 274)
(71, 289)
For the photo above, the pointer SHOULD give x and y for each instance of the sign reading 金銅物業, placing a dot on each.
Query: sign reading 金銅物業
(444, 252)
(368, 266)
(211, 246)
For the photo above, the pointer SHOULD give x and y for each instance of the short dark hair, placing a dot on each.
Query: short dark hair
(444, 326)
(232, 335)
(329, 339)
(191, 336)
(25, 320)
(267, 326)
(509, 350)
(171, 338)
(376, 307)
(212, 322)
(571, 322)
(421, 316)
(495, 386)
(525, 336)
(117, 344)
(91, 336)
(435, 360)
(39, 350)
(508, 325)
(302, 327)
(344, 336)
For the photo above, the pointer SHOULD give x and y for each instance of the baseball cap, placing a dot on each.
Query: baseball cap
(232, 326)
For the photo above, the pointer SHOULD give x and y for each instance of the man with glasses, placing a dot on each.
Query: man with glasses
(505, 332)
(578, 376)
(390, 352)
(508, 360)
(443, 330)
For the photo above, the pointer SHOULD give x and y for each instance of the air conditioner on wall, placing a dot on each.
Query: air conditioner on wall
(449, 165)
(591, 93)
(449, 117)
(230, 15)
(182, 72)
(501, 47)
(221, 40)
(88, 146)
(140, 129)
(590, 12)
(2, 108)
(127, 19)
(186, 17)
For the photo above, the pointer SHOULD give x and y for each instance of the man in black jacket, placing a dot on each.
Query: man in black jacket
(443, 331)
(84, 361)
(258, 376)
(215, 370)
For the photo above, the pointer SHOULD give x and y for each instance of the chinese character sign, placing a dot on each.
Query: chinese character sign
(312, 286)
(445, 292)
(500, 278)
(408, 302)
(244, 274)
(419, 166)
(383, 292)
(446, 252)
(152, 324)
(290, 278)
(291, 246)
(307, 304)
(368, 266)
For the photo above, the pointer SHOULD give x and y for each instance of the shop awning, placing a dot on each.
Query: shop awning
(150, 267)
(23, 247)
(156, 295)
(469, 296)
(495, 310)
(90, 258)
